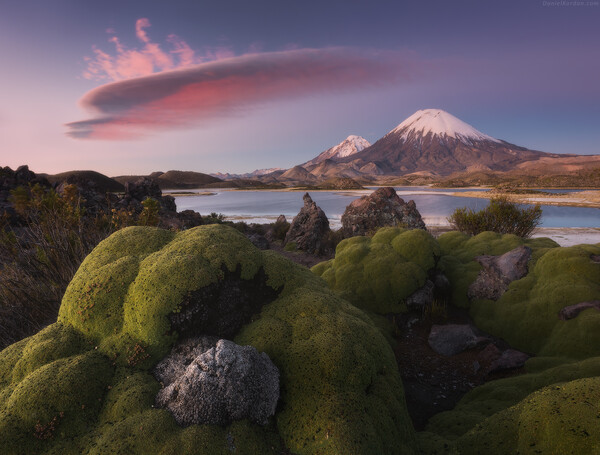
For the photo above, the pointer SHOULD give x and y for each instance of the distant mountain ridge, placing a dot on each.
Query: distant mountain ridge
(171, 180)
(247, 175)
(429, 146)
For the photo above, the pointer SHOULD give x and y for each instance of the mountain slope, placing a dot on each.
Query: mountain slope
(173, 179)
(436, 141)
(348, 147)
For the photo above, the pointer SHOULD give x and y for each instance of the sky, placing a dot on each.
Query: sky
(140, 86)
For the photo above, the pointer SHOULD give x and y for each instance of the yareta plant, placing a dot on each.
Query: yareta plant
(84, 385)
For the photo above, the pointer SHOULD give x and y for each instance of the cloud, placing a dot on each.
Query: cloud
(126, 63)
(187, 97)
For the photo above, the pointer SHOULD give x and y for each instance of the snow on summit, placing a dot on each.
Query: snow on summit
(349, 146)
(439, 123)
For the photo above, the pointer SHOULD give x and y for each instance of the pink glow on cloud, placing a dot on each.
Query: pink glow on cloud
(150, 58)
(181, 98)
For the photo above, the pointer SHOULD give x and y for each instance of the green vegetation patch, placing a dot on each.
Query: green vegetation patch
(459, 251)
(378, 273)
(527, 315)
(552, 411)
(84, 384)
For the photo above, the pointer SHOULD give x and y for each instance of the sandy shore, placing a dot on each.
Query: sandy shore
(570, 236)
(584, 198)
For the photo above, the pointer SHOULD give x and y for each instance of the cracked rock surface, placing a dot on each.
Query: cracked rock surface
(212, 381)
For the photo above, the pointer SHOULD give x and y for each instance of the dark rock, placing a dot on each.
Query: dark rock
(489, 354)
(572, 311)
(10, 180)
(167, 203)
(421, 298)
(189, 219)
(259, 241)
(442, 285)
(511, 358)
(281, 219)
(498, 272)
(143, 188)
(222, 308)
(217, 384)
(451, 339)
(381, 208)
(308, 228)
(595, 258)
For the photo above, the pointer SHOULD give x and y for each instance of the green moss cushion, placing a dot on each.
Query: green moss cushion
(554, 407)
(84, 384)
(459, 251)
(527, 315)
(379, 273)
(554, 410)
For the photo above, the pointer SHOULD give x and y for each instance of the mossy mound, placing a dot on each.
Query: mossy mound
(459, 251)
(553, 411)
(527, 315)
(378, 273)
(553, 408)
(83, 385)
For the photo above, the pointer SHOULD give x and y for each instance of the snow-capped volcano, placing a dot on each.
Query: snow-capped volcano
(438, 123)
(433, 140)
(349, 146)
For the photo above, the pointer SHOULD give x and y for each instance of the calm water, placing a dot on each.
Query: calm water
(433, 204)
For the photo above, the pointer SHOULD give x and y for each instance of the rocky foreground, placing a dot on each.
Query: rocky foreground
(203, 341)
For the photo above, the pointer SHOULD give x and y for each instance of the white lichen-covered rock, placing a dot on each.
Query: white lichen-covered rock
(223, 383)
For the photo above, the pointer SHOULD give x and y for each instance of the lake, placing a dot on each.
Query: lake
(435, 205)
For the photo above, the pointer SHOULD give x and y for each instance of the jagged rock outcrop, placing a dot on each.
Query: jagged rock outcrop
(217, 382)
(10, 180)
(498, 272)
(381, 208)
(143, 188)
(308, 228)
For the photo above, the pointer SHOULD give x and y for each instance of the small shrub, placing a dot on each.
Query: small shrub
(150, 214)
(291, 247)
(280, 229)
(436, 312)
(501, 215)
(214, 218)
(331, 240)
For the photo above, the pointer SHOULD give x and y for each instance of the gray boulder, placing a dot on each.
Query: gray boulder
(259, 241)
(308, 228)
(451, 339)
(224, 383)
(572, 311)
(381, 208)
(498, 272)
(509, 359)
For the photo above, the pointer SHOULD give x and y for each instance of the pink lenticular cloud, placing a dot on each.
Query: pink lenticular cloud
(190, 96)
(150, 58)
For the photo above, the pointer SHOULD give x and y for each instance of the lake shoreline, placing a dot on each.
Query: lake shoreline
(584, 198)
